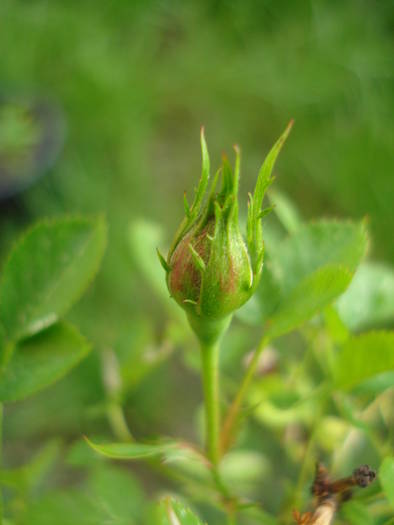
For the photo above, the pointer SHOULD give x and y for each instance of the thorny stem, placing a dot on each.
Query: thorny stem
(210, 377)
(230, 424)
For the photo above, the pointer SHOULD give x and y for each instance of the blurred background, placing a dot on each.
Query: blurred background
(128, 84)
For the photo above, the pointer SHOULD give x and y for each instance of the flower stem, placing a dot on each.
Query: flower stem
(210, 376)
(1, 462)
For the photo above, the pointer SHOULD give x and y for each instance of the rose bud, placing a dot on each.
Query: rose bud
(211, 270)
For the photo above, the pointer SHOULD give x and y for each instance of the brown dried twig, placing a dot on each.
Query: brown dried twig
(330, 494)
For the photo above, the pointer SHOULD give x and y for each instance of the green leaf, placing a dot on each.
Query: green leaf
(2, 344)
(80, 454)
(299, 266)
(131, 450)
(355, 513)
(335, 326)
(315, 245)
(181, 456)
(47, 271)
(370, 298)
(386, 476)
(42, 360)
(363, 357)
(173, 512)
(108, 496)
(311, 296)
(376, 384)
(27, 477)
(107, 488)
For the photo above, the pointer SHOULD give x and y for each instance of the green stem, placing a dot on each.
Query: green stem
(1, 461)
(118, 422)
(210, 376)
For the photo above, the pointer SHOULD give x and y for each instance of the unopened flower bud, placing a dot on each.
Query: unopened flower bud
(211, 270)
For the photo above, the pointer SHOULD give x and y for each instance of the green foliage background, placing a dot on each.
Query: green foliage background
(136, 79)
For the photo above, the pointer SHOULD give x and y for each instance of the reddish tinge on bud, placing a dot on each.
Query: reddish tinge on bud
(211, 271)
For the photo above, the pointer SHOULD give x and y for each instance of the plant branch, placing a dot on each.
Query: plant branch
(1, 461)
(210, 376)
(118, 422)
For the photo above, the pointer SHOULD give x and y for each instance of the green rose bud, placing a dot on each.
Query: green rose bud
(211, 270)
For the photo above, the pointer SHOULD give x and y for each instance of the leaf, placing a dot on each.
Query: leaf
(298, 266)
(107, 488)
(2, 345)
(315, 245)
(364, 356)
(47, 271)
(27, 477)
(335, 326)
(312, 294)
(370, 298)
(42, 360)
(355, 513)
(173, 512)
(386, 476)
(108, 496)
(80, 454)
(181, 456)
(376, 384)
(131, 450)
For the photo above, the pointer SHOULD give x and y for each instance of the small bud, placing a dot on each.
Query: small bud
(211, 270)
(364, 476)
